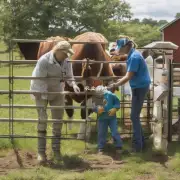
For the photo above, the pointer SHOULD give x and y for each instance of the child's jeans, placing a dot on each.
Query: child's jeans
(102, 132)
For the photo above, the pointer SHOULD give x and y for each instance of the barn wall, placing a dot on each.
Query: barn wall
(172, 33)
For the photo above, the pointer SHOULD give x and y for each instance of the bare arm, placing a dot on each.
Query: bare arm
(125, 79)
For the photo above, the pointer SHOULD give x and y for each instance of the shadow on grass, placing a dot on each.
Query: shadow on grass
(173, 148)
(153, 156)
(70, 162)
(149, 155)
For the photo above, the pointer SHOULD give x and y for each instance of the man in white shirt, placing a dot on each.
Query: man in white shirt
(52, 64)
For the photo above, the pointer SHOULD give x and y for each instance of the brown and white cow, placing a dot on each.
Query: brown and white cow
(90, 50)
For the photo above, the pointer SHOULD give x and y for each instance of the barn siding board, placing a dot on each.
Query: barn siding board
(172, 33)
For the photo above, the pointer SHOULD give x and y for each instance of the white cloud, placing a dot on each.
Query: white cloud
(156, 9)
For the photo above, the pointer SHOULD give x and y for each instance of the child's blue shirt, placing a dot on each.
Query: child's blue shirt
(110, 101)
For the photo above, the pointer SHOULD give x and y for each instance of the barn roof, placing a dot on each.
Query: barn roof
(168, 24)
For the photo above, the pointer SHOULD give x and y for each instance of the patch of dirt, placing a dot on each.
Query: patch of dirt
(104, 162)
(15, 160)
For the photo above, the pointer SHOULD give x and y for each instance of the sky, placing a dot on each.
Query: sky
(155, 9)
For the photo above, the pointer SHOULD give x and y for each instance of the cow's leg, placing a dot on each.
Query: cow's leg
(70, 112)
(83, 129)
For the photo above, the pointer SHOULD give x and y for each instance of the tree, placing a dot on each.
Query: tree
(44, 18)
(162, 22)
(135, 21)
(142, 34)
(177, 15)
(149, 21)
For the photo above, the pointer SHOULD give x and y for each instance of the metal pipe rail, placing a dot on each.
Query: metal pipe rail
(32, 92)
(42, 93)
(58, 78)
(72, 61)
(71, 42)
(24, 120)
(45, 120)
(52, 137)
(2, 106)
(46, 137)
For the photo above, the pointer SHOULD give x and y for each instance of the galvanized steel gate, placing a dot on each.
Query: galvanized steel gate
(123, 120)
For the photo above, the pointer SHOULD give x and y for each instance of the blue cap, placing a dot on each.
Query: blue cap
(121, 42)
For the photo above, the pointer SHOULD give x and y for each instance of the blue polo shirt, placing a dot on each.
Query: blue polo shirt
(137, 64)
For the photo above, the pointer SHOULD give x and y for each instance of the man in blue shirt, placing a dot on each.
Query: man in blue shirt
(105, 105)
(139, 79)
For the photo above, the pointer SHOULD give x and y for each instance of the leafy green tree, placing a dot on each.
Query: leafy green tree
(162, 22)
(149, 21)
(44, 18)
(177, 15)
(142, 34)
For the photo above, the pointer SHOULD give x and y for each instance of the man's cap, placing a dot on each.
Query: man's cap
(65, 47)
(122, 42)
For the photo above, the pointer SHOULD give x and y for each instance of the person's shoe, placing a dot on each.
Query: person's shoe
(42, 159)
(57, 156)
(136, 150)
(100, 151)
(119, 150)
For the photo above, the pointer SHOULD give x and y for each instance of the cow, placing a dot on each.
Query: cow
(90, 50)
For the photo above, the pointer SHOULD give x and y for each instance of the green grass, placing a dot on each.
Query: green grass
(140, 166)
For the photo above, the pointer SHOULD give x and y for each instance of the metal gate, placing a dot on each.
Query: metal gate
(13, 121)
(174, 117)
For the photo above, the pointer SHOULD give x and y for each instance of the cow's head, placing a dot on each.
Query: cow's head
(87, 72)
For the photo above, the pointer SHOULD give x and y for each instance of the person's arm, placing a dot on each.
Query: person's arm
(125, 79)
(70, 74)
(40, 70)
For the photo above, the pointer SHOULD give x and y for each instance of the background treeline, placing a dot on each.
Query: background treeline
(43, 18)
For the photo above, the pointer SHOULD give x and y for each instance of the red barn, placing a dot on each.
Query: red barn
(171, 32)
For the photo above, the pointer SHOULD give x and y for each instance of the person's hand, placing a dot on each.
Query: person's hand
(100, 110)
(112, 86)
(76, 88)
(112, 112)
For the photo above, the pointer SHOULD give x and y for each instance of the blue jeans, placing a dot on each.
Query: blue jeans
(102, 132)
(138, 96)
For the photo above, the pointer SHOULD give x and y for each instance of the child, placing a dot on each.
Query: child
(105, 105)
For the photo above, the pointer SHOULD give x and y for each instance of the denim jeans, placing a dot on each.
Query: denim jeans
(102, 132)
(138, 96)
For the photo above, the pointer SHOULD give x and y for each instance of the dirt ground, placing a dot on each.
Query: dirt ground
(18, 159)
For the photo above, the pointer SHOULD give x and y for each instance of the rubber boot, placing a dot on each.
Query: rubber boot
(56, 144)
(42, 158)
